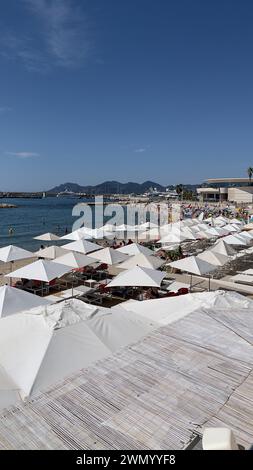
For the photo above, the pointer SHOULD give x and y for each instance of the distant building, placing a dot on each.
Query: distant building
(236, 190)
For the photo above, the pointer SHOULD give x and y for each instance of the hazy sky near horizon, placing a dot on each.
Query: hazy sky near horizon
(128, 90)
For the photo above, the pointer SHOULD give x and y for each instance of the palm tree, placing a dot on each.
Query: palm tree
(250, 174)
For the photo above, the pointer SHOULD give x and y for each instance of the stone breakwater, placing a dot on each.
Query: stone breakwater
(7, 206)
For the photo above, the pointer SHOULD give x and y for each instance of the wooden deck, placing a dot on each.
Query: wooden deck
(152, 395)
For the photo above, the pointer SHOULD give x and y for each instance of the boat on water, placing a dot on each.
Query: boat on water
(67, 193)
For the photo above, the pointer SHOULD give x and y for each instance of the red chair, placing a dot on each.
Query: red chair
(183, 291)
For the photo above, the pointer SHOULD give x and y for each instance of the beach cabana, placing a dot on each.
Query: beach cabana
(135, 249)
(82, 246)
(14, 300)
(51, 252)
(41, 270)
(142, 260)
(47, 237)
(138, 277)
(109, 256)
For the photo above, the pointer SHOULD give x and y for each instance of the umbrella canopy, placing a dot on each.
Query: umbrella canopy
(74, 260)
(14, 300)
(186, 232)
(193, 265)
(14, 253)
(41, 270)
(51, 252)
(109, 256)
(235, 240)
(82, 246)
(230, 228)
(151, 262)
(223, 248)
(138, 277)
(125, 228)
(148, 225)
(213, 258)
(213, 231)
(236, 221)
(135, 249)
(47, 237)
(203, 235)
(173, 237)
(78, 234)
(248, 226)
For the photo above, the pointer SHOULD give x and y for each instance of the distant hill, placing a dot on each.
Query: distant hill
(109, 187)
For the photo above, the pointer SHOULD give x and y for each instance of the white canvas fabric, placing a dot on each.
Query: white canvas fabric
(14, 300)
(51, 252)
(211, 257)
(223, 248)
(235, 240)
(82, 246)
(135, 249)
(171, 309)
(41, 270)
(142, 260)
(109, 256)
(78, 234)
(24, 340)
(47, 237)
(193, 265)
(14, 253)
(138, 277)
(74, 260)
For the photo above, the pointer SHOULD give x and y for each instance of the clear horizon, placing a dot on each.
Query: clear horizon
(126, 91)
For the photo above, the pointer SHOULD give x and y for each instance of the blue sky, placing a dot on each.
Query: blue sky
(94, 90)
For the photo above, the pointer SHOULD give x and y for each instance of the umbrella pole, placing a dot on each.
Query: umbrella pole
(209, 284)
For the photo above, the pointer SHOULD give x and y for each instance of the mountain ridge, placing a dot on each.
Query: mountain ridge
(113, 187)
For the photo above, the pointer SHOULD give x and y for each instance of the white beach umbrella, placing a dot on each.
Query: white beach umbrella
(236, 221)
(78, 234)
(135, 249)
(148, 226)
(142, 260)
(221, 247)
(193, 265)
(203, 235)
(51, 252)
(211, 257)
(74, 260)
(47, 237)
(109, 256)
(14, 300)
(213, 231)
(41, 270)
(173, 237)
(24, 340)
(230, 228)
(125, 228)
(13, 253)
(82, 246)
(138, 277)
(186, 232)
(148, 235)
(235, 240)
